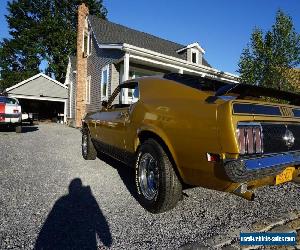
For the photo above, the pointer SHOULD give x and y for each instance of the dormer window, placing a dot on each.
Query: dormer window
(194, 53)
(194, 57)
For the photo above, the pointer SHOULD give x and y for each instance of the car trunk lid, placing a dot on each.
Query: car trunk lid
(280, 124)
(12, 109)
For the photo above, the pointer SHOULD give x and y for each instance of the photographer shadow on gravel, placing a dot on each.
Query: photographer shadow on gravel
(74, 222)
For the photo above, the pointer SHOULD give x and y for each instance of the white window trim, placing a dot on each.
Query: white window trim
(197, 55)
(103, 69)
(71, 99)
(89, 32)
(82, 47)
(83, 33)
(88, 90)
(89, 48)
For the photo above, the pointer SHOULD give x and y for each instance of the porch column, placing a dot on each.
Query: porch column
(126, 67)
(125, 76)
(180, 71)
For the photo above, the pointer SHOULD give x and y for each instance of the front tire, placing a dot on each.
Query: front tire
(158, 186)
(88, 150)
(18, 128)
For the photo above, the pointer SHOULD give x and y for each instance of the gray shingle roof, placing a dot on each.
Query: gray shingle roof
(107, 32)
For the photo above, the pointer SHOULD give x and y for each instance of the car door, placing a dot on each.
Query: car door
(100, 124)
(112, 126)
(114, 121)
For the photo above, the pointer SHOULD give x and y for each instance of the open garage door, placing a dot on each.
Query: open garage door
(43, 96)
(44, 110)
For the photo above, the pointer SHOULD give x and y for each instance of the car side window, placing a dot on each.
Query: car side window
(124, 96)
(130, 95)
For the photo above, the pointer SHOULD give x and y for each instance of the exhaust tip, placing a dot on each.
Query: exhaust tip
(244, 193)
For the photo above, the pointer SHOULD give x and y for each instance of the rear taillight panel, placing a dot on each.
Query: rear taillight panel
(250, 138)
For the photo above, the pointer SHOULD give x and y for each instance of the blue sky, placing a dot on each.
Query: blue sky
(221, 27)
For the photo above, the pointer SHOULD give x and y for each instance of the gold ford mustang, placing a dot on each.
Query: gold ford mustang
(181, 129)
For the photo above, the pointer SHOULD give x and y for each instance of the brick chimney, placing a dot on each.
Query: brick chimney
(81, 75)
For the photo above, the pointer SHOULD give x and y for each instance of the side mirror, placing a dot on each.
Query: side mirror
(104, 104)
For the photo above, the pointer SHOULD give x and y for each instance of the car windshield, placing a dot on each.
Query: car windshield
(7, 100)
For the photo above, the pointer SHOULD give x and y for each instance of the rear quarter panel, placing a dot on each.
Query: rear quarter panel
(187, 124)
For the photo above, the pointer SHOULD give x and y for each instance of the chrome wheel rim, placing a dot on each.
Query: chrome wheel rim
(148, 176)
(84, 144)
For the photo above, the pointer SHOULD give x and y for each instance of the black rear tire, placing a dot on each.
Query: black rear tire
(18, 128)
(88, 150)
(168, 186)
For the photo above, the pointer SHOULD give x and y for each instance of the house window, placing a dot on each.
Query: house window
(85, 43)
(194, 57)
(90, 43)
(87, 40)
(104, 82)
(135, 74)
(88, 90)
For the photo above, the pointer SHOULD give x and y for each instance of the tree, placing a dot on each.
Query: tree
(268, 57)
(16, 63)
(41, 31)
(58, 43)
(19, 56)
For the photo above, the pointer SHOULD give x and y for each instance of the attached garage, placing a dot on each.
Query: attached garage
(43, 96)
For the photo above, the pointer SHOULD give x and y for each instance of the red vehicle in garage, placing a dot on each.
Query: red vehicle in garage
(10, 113)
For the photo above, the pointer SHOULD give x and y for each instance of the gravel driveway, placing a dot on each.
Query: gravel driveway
(50, 196)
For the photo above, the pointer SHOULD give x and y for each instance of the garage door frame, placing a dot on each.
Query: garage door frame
(44, 98)
(38, 88)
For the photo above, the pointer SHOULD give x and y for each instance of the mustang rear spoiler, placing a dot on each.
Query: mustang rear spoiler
(244, 90)
(222, 87)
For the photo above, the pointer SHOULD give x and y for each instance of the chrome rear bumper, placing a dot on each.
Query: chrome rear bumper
(273, 161)
(247, 169)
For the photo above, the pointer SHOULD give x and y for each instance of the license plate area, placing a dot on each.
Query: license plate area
(285, 176)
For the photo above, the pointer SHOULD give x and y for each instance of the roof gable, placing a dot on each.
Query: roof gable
(191, 46)
(40, 85)
(111, 33)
